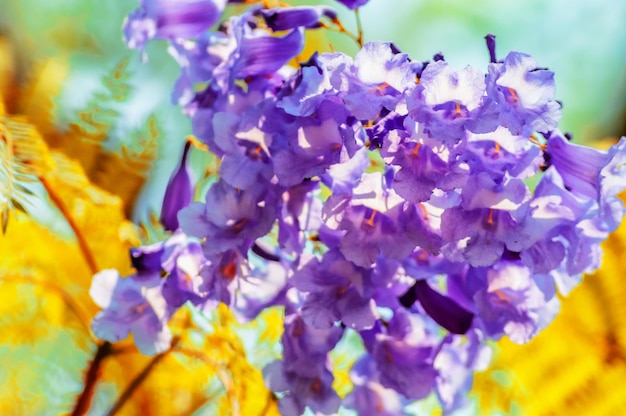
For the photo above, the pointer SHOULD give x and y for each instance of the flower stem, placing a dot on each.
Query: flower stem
(91, 378)
(359, 28)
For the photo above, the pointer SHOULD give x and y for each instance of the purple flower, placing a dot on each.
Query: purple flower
(183, 260)
(353, 4)
(342, 177)
(262, 287)
(523, 95)
(376, 80)
(445, 100)
(134, 304)
(611, 206)
(262, 55)
(510, 302)
(421, 170)
(579, 166)
(456, 362)
(317, 144)
(301, 214)
(170, 19)
(300, 391)
(230, 218)
(198, 61)
(220, 278)
(178, 193)
(285, 18)
(591, 173)
(336, 290)
(303, 376)
(489, 232)
(147, 258)
(312, 84)
(369, 396)
(376, 221)
(404, 356)
(444, 310)
(500, 153)
(379, 194)
(248, 166)
(487, 219)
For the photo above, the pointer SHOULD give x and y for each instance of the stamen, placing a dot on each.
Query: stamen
(256, 152)
(238, 226)
(370, 221)
(141, 308)
(457, 110)
(501, 295)
(229, 271)
(490, 217)
(423, 209)
(388, 355)
(298, 328)
(316, 386)
(513, 94)
(416, 149)
(335, 147)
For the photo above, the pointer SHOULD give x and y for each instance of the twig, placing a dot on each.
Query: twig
(91, 378)
(219, 372)
(130, 389)
(268, 404)
(359, 27)
(71, 304)
(82, 242)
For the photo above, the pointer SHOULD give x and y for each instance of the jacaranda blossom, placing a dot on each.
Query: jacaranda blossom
(379, 197)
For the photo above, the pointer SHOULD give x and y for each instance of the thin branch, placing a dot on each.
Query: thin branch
(339, 27)
(223, 376)
(359, 27)
(91, 378)
(69, 301)
(268, 404)
(82, 242)
(130, 389)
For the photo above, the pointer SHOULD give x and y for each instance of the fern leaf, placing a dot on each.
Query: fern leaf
(142, 151)
(124, 170)
(36, 99)
(23, 156)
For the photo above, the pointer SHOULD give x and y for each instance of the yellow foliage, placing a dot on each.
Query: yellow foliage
(44, 303)
(576, 366)
(46, 345)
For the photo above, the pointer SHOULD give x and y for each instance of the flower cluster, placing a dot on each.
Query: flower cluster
(425, 208)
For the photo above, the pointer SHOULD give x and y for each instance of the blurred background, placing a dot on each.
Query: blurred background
(583, 43)
(65, 66)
